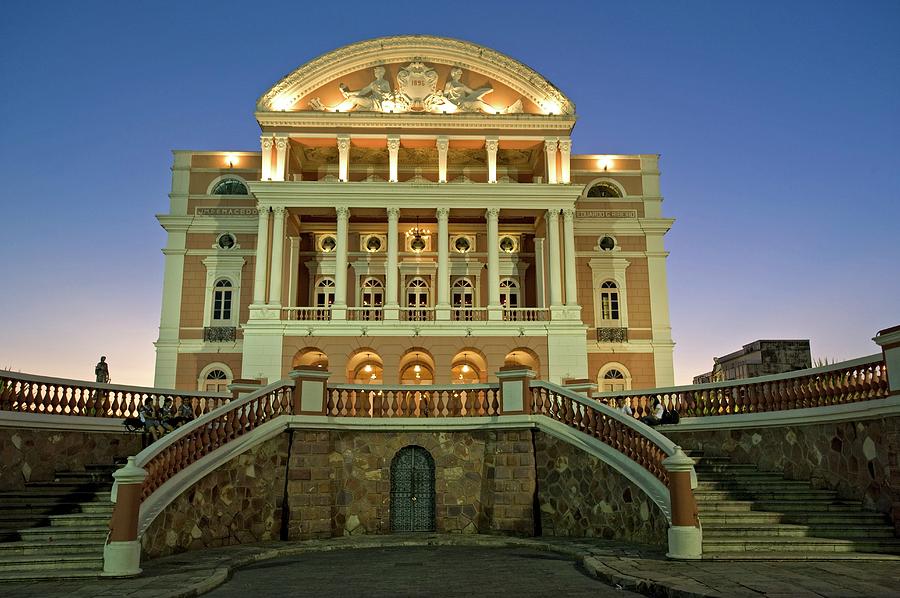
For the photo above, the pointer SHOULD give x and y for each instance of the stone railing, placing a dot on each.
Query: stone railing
(27, 393)
(363, 400)
(851, 381)
(307, 313)
(526, 314)
(640, 443)
(365, 314)
(468, 314)
(417, 314)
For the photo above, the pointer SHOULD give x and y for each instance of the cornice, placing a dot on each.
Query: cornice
(419, 48)
(374, 120)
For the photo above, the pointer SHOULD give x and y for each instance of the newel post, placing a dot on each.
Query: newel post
(243, 386)
(122, 552)
(889, 341)
(515, 389)
(310, 388)
(685, 533)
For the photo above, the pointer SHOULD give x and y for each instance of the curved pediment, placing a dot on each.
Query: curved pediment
(415, 74)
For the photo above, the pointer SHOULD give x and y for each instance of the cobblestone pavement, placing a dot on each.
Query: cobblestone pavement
(516, 560)
(451, 571)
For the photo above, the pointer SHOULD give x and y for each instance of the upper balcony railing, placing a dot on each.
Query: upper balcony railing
(526, 314)
(307, 314)
(416, 314)
(469, 314)
(851, 381)
(27, 393)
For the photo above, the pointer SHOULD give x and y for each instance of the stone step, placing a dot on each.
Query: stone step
(808, 544)
(57, 547)
(800, 518)
(750, 477)
(783, 506)
(83, 477)
(798, 556)
(53, 497)
(39, 562)
(64, 533)
(839, 530)
(47, 574)
(68, 486)
(800, 494)
(769, 485)
(79, 519)
(716, 466)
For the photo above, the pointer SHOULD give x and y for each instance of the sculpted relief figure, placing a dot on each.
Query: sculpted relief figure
(464, 97)
(369, 99)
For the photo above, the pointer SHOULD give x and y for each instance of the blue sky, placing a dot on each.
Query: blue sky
(778, 125)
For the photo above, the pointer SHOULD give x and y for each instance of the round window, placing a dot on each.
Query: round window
(417, 244)
(507, 244)
(328, 244)
(373, 244)
(226, 241)
(462, 245)
(607, 243)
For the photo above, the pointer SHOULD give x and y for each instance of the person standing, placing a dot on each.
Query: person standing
(101, 371)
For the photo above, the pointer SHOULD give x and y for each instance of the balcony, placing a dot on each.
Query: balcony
(526, 314)
(612, 335)
(220, 334)
(520, 315)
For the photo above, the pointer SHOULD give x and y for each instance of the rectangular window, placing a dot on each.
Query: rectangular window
(609, 306)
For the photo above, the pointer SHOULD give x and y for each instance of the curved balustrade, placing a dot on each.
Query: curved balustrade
(26, 393)
(191, 442)
(852, 381)
(640, 443)
(361, 400)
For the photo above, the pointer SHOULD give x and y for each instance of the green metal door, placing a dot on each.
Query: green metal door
(412, 490)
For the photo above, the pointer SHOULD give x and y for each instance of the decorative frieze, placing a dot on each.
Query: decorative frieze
(606, 214)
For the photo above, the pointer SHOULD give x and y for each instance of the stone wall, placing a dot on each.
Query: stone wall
(338, 483)
(582, 496)
(858, 459)
(35, 455)
(238, 503)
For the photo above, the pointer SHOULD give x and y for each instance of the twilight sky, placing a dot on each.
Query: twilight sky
(778, 125)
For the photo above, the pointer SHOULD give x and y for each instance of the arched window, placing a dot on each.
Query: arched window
(371, 299)
(613, 381)
(215, 378)
(509, 293)
(417, 299)
(462, 298)
(230, 187)
(222, 297)
(604, 190)
(609, 301)
(325, 294)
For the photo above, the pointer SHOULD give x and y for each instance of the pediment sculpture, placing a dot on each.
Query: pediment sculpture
(416, 92)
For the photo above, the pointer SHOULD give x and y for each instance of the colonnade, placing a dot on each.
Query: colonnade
(269, 266)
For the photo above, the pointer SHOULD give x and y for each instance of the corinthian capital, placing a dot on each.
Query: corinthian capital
(393, 213)
(266, 142)
(343, 143)
(491, 145)
(550, 145)
(262, 210)
(553, 215)
(281, 143)
(443, 213)
(493, 213)
(569, 215)
(343, 212)
(442, 144)
(565, 145)
(278, 211)
(393, 144)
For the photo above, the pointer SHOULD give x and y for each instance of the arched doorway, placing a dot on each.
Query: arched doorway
(412, 490)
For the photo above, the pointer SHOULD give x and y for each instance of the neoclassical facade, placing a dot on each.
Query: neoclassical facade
(415, 214)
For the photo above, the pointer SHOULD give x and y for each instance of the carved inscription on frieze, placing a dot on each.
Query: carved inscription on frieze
(226, 212)
(606, 213)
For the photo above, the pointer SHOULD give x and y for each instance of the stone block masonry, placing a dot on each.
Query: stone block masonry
(313, 484)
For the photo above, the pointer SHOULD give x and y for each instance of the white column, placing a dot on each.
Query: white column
(442, 311)
(565, 155)
(493, 241)
(391, 307)
(443, 144)
(663, 346)
(553, 250)
(343, 143)
(573, 311)
(491, 144)
(277, 268)
(540, 284)
(293, 271)
(340, 265)
(550, 153)
(282, 147)
(266, 144)
(393, 145)
(262, 256)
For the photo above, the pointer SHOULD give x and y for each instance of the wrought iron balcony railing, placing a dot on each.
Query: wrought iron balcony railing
(220, 334)
(612, 335)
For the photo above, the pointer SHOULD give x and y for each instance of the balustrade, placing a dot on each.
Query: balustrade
(417, 314)
(25, 393)
(307, 313)
(365, 314)
(526, 314)
(852, 381)
(363, 400)
(469, 314)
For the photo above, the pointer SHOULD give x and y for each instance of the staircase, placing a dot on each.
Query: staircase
(56, 529)
(749, 514)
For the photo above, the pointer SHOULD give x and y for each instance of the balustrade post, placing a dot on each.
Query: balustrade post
(310, 390)
(889, 341)
(241, 387)
(582, 386)
(122, 552)
(515, 389)
(685, 534)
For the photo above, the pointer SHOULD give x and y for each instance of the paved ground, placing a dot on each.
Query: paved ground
(496, 564)
(451, 571)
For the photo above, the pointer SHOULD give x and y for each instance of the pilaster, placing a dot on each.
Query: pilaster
(282, 147)
(266, 144)
(343, 144)
(277, 256)
(573, 309)
(552, 219)
(565, 160)
(442, 308)
(490, 145)
(391, 306)
(443, 145)
(339, 309)
(493, 240)
(262, 256)
(550, 145)
(393, 145)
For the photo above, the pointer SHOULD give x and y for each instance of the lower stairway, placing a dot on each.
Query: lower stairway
(56, 529)
(748, 514)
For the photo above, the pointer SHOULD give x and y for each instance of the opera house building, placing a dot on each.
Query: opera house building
(415, 213)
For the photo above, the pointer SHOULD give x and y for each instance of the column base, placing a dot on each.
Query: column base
(391, 312)
(495, 313)
(558, 312)
(338, 312)
(262, 311)
(442, 312)
(685, 542)
(122, 559)
(573, 312)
